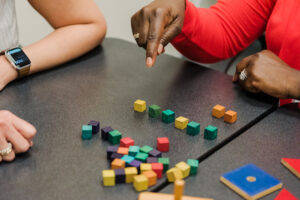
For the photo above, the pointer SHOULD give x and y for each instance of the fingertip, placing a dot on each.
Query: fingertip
(149, 62)
(160, 49)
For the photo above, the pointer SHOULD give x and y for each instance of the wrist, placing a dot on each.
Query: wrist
(294, 90)
(9, 73)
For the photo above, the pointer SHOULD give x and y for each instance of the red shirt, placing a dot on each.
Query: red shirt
(226, 28)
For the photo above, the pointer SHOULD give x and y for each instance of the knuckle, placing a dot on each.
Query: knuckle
(146, 11)
(159, 12)
(152, 36)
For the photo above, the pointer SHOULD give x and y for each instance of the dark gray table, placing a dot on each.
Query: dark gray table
(275, 137)
(103, 85)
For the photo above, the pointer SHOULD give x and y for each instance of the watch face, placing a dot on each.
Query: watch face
(19, 57)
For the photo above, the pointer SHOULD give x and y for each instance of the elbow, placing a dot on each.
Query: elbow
(100, 30)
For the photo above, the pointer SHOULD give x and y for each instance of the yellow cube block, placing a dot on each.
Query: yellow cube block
(218, 111)
(181, 122)
(184, 168)
(145, 167)
(140, 182)
(152, 177)
(174, 174)
(130, 172)
(108, 177)
(139, 105)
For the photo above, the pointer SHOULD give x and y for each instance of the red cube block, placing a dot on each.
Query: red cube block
(158, 169)
(126, 142)
(163, 144)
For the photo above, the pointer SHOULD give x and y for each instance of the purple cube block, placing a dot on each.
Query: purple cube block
(115, 155)
(155, 153)
(110, 150)
(151, 160)
(95, 126)
(135, 163)
(120, 175)
(105, 131)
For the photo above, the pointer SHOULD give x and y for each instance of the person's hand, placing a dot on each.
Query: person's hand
(155, 25)
(7, 72)
(266, 72)
(15, 131)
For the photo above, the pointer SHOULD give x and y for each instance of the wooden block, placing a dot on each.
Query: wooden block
(293, 165)
(152, 177)
(163, 144)
(128, 159)
(194, 164)
(178, 189)
(185, 168)
(158, 169)
(168, 116)
(123, 150)
(126, 142)
(154, 111)
(174, 174)
(118, 163)
(95, 126)
(87, 132)
(230, 116)
(108, 177)
(218, 111)
(135, 163)
(120, 175)
(155, 153)
(105, 131)
(193, 128)
(145, 167)
(146, 149)
(140, 182)
(250, 182)
(130, 172)
(165, 162)
(210, 132)
(151, 160)
(110, 150)
(139, 105)
(285, 195)
(162, 196)
(181, 122)
(114, 137)
(133, 150)
(141, 157)
(115, 155)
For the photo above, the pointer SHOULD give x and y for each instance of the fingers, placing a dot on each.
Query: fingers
(20, 144)
(171, 31)
(25, 128)
(4, 144)
(239, 68)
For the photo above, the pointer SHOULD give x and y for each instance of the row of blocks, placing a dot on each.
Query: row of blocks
(183, 170)
(230, 116)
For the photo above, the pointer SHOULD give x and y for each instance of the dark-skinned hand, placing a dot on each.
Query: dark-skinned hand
(267, 73)
(157, 24)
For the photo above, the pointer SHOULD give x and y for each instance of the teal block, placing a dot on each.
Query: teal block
(133, 150)
(87, 132)
(168, 116)
(154, 111)
(146, 149)
(141, 157)
(165, 162)
(194, 164)
(127, 159)
(210, 132)
(193, 128)
(114, 137)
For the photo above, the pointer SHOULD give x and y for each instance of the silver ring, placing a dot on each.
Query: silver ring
(7, 150)
(243, 75)
(136, 36)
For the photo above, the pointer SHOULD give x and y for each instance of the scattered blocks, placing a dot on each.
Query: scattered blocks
(123, 150)
(163, 144)
(105, 131)
(285, 195)
(127, 159)
(120, 175)
(155, 153)
(293, 165)
(136, 164)
(230, 116)
(174, 174)
(139, 105)
(115, 155)
(210, 132)
(130, 172)
(140, 182)
(218, 111)
(145, 167)
(165, 162)
(95, 125)
(126, 142)
(181, 122)
(151, 160)
(110, 150)
(146, 149)
(168, 116)
(154, 111)
(108, 177)
(87, 132)
(193, 128)
(250, 182)
(141, 157)
(158, 169)
(184, 168)
(133, 150)
(114, 137)
(117, 164)
(194, 164)
(152, 177)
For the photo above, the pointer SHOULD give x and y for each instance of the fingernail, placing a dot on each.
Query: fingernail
(149, 62)
(31, 143)
(160, 49)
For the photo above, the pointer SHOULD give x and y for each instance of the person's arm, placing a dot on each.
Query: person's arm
(79, 27)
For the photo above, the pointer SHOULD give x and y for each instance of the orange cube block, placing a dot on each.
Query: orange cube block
(218, 111)
(123, 150)
(117, 164)
(230, 116)
(152, 177)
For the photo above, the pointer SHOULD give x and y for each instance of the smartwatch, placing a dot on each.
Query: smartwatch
(19, 61)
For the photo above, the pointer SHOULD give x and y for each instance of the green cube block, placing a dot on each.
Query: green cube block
(165, 162)
(133, 150)
(168, 116)
(127, 159)
(114, 137)
(154, 111)
(141, 157)
(193, 128)
(210, 132)
(87, 132)
(194, 164)
(146, 149)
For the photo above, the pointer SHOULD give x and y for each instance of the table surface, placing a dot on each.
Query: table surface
(103, 85)
(275, 137)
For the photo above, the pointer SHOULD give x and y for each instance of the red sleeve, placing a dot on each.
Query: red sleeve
(223, 30)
